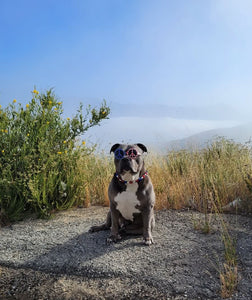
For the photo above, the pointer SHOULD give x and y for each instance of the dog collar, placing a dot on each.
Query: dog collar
(131, 181)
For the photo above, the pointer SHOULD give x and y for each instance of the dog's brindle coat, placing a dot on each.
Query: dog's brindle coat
(131, 204)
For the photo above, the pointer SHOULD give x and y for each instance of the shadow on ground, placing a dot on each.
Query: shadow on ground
(74, 264)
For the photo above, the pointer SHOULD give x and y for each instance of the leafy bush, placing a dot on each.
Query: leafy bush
(39, 155)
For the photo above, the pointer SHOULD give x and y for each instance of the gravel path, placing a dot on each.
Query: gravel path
(59, 259)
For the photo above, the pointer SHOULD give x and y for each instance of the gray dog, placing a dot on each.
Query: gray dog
(131, 196)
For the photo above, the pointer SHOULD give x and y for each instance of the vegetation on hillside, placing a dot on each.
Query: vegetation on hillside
(44, 167)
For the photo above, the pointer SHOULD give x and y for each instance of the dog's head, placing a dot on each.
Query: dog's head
(129, 160)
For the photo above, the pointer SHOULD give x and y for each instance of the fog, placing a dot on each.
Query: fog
(153, 132)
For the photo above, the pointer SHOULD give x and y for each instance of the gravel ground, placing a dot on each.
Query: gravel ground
(59, 259)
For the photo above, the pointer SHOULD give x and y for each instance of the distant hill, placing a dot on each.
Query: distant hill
(240, 134)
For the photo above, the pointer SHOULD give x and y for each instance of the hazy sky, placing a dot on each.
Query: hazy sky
(183, 54)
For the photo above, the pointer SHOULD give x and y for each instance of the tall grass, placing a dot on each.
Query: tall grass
(204, 180)
(39, 155)
(96, 172)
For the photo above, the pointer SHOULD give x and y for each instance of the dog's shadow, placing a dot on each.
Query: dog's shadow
(78, 255)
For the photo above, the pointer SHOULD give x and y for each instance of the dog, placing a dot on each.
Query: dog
(131, 195)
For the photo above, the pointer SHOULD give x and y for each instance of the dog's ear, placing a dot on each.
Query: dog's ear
(141, 146)
(114, 147)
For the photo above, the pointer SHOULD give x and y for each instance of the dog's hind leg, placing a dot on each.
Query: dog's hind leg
(105, 226)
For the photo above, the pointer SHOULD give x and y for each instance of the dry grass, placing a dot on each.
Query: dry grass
(229, 280)
(201, 179)
(204, 180)
(96, 172)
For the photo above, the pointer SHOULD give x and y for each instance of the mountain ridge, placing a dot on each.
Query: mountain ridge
(240, 134)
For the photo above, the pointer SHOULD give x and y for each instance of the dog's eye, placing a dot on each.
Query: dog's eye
(119, 153)
(132, 153)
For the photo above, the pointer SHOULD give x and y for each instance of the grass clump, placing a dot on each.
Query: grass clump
(202, 179)
(229, 280)
(39, 155)
(229, 272)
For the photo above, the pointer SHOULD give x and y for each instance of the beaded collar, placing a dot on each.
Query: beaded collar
(131, 181)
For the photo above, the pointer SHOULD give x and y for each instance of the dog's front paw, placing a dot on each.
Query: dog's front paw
(93, 229)
(113, 238)
(98, 228)
(148, 241)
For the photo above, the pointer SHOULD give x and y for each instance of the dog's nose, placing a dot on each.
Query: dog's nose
(127, 168)
(126, 159)
(126, 164)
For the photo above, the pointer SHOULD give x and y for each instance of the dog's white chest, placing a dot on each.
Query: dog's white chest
(127, 201)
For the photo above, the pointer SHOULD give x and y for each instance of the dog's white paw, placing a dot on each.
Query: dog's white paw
(148, 241)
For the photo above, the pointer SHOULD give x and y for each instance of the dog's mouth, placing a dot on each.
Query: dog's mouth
(129, 174)
(128, 168)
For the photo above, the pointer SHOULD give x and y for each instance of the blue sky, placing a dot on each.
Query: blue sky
(191, 56)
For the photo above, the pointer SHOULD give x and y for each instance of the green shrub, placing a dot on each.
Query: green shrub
(39, 155)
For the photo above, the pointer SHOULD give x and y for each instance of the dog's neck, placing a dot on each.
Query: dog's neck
(133, 178)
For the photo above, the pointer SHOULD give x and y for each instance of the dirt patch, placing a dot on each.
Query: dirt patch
(59, 259)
